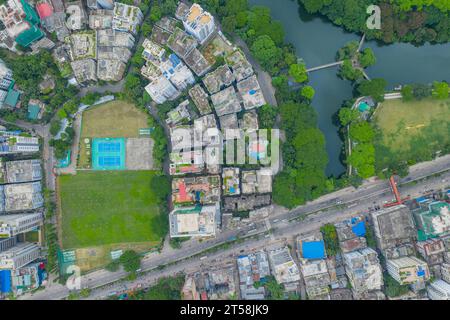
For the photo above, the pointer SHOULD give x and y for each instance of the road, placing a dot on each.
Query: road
(283, 222)
(282, 231)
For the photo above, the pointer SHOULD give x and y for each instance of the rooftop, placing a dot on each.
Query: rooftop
(23, 171)
(218, 79)
(313, 249)
(432, 219)
(251, 93)
(200, 98)
(246, 202)
(393, 226)
(230, 180)
(186, 162)
(23, 196)
(197, 62)
(201, 189)
(283, 266)
(257, 181)
(181, 43)
(249, 121)
(242, 69)
(198, 221)
(226, 101)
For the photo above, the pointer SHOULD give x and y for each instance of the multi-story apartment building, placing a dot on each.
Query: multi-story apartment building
(19, 256)
(439, 290)
(7, 243)
(408, 270)
(199, 23)
(162, 90)
(14, 224)
(363, 270)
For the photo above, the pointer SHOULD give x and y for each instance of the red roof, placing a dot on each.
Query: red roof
(44, 10)
(182, 194)
(204, 296)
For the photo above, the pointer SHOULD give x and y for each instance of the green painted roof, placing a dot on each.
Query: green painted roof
(33, 111)
(31, 15)
(425, 217)
(12, 98)
(27, 37)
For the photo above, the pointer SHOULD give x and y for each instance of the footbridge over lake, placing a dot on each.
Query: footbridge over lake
(329, 65)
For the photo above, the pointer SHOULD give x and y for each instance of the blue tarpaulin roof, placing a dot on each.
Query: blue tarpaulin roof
(5, 281)
(421, 199)
(174, 59)
(313, 250)
(359, 229)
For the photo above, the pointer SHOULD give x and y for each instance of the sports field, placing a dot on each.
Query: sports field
(102, 208)
(108, 154)
(116, 119)
(411, 131)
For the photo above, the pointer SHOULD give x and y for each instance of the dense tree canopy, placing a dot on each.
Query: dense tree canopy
(304, 157)
(367, 58)
(362, 132)
(266, 52)
(130, 260)
(298, 72)
(347, 115)
(267, 115)
(416, 21)
(308, 92)
(374, 88)
(407, 93)
(440, 90)
(363, 159)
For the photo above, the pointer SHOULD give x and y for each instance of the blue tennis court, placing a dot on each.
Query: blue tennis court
(108, 154)
(109, 147)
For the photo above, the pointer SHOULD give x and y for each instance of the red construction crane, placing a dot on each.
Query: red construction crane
(398, 198)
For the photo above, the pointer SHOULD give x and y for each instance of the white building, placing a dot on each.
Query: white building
(177, 72)
(19, 256)
(199, 23)
(199, 221)
(18, 144)
(363, 270)
(283, 266)
(408, 270)
(178, 76)
(316, 277)
(13, 16)
(6, 78)
(445, 272)
(439, 290)
(14, 224)
(161, 90)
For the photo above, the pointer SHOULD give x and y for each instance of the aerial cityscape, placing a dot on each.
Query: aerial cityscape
(224, 150)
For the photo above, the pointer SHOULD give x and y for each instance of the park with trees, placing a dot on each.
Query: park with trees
(413, 21)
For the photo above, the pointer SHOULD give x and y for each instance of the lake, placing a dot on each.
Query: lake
(317, 41)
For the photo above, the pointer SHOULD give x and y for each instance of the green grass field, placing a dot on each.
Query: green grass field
(102, 208)
(116, 119)
(411, 131)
